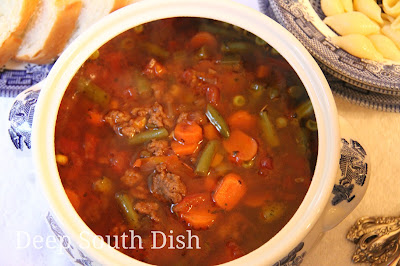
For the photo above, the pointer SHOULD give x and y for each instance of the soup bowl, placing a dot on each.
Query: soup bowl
(341, 172)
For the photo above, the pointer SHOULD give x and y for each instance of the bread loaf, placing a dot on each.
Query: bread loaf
(14, 17)
(49, 30)
(92, 11)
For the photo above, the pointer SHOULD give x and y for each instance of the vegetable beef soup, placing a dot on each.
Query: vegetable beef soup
(186, 141)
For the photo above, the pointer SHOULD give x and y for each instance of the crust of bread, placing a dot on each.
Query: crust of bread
(10, 45)
(68, 13)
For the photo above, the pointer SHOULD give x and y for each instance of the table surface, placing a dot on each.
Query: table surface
(23, 208)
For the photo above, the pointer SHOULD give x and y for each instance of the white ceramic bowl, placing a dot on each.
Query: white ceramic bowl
(322, 207)
(304, 20)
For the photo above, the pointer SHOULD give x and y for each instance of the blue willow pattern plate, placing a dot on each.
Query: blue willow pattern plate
(17, 77)
(347, 75)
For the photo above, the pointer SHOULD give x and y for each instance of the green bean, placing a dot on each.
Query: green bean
(295, 92)
(103, 185)
(260, 41)
(93, 92)
(218, 121)
(205, 159)
(231, 59)
(154, 49)
(239, 100)
(212, 28)
(236, 47)
(147, 136)
(125, 203)
(273, 92)
(268, 130)
(272, 211)
(311, 125)
(304, 110)
(142, 85)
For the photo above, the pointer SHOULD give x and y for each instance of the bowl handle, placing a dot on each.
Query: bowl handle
(21, 117)
(351, 180)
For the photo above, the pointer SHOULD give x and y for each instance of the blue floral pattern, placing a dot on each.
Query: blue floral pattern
(15, 80)
(353, 170)
(293, 258)
(21, 118)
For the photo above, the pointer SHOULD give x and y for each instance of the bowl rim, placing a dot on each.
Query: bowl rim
(286, 44)
(322, 50)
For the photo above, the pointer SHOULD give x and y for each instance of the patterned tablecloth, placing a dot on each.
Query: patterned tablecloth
(26, 239)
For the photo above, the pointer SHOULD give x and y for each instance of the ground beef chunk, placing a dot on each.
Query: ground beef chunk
(167, 186)
(131, 177)
(128, 125)
(124, 124)
(115, 117)
(140, 191)
(148, 208)
(158, 147)
(195, 116)
(155, 114)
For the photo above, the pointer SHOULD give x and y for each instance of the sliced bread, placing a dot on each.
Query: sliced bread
(14, 17)
(49, 30)
(92, 11)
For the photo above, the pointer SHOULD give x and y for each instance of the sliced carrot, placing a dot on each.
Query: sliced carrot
(242, 120)
(174, 165)
(203, 38)
(196, 210)
(210, 132)
(73, 198)
(137, 163)
(263, 71)
(188, 133)
(229, 191)
(240, 146)
(199, 219)
(183, 149)
(95, 118)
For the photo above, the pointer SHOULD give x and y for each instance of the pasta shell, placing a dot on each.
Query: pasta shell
(385, 46)
(391, 7)
(392, 34)
(348, 5)
(396, 23)
(332, 7)
(352, 23)
(358, 45)
(369, 8)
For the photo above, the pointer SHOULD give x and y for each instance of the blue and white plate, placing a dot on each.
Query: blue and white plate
(303, 18)
(17, 77)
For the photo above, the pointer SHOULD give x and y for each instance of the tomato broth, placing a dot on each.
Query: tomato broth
(186, 141)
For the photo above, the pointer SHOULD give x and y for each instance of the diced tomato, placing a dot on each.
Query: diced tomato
(212, 94)
(67, 146)
(154, 69)
(119, 161)
(90, 146)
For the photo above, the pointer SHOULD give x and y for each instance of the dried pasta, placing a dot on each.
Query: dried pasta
(368, 30)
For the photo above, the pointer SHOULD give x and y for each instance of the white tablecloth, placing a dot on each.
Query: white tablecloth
(23, 229)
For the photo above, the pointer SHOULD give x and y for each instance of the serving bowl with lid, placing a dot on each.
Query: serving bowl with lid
(342, 170)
